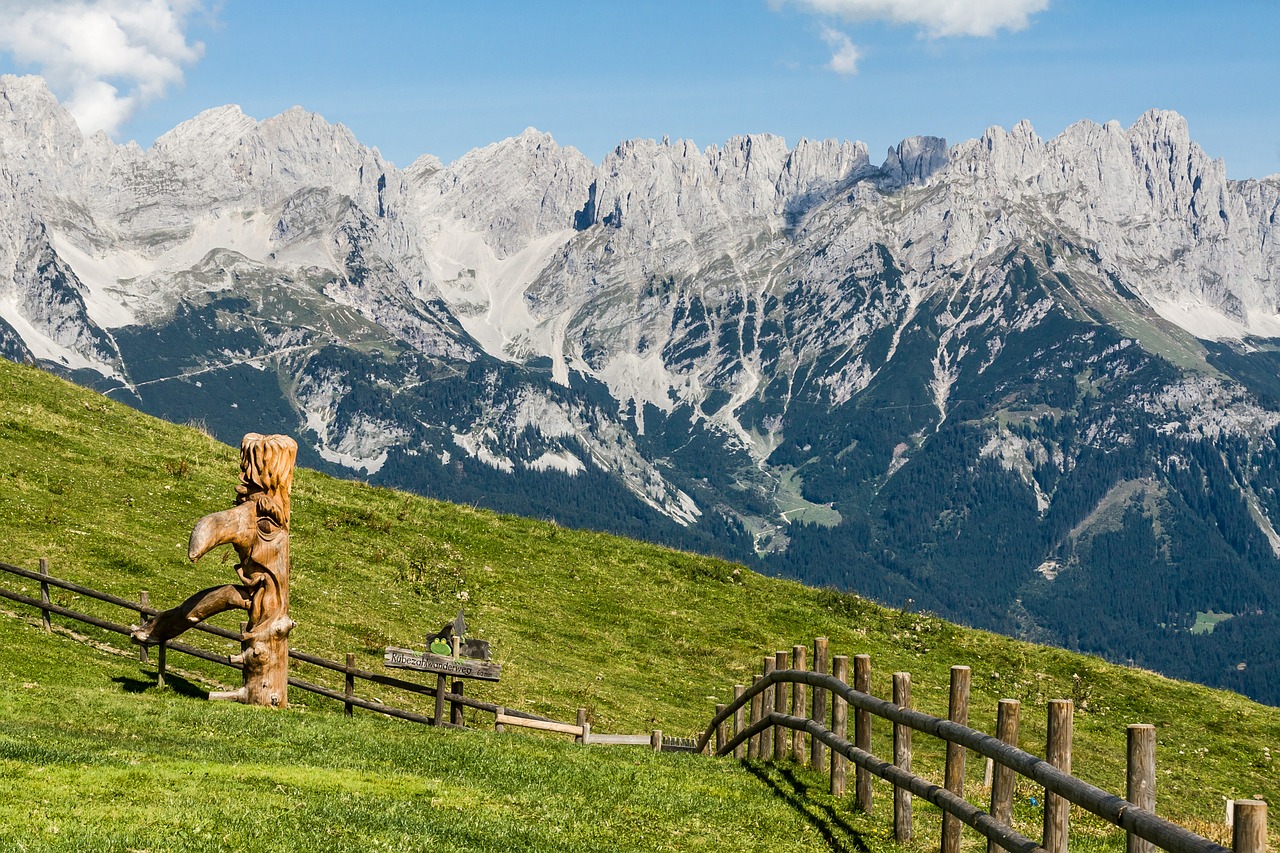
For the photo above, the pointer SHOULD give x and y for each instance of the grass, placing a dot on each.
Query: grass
(640, 636)
(1206, 621)
(795, 509)
(110, 763)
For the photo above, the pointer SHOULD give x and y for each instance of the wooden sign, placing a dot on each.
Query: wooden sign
(442, 665)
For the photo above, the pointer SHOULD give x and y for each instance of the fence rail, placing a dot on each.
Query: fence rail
(777, 702)
(456, 697)
(772, 715)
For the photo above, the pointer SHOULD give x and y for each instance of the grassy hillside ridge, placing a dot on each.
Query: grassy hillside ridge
(642, 636)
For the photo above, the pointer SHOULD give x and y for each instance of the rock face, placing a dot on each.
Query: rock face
(996, 378)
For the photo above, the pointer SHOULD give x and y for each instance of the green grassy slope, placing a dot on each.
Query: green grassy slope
(94, 758)
(641, 636)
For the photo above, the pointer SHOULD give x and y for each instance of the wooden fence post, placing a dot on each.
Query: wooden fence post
(957, 712)
(455, 709)
(498, 714)
(655, 740)
(862, 731)
(581, 721)
(44, 595)
(349, 689)
(438, 720)
(1003, 779)
(799, 705)
(766, 736)
(1249, 834)
(818, 749)
(1140, 788)
(1057, 810)
(757, 711)
(144, 598)
(739, 721)
(902, 829)
(720, 729)
(839, 724)
(781, 696)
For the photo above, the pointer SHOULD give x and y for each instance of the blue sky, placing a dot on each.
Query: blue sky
(444, 77)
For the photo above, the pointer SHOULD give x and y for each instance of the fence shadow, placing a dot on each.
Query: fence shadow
(176, 683)
(838, 834)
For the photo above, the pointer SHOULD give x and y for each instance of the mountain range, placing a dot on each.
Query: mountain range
(1032, 385)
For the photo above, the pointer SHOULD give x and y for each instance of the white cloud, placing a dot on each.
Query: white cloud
(844, 53)
(936, 17)
(104, 57)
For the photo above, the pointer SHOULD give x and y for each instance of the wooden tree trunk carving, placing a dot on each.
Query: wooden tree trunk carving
(257, 527)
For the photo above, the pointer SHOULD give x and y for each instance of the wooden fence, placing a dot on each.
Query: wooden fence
(455, 696)
(779, 703)
(779, 706)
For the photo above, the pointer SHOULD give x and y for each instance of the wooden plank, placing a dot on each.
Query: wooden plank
(839, 724)
(1003, 779)
(44, 594)
(1057, 809)
(765, 751)
(504, 719)
(441, 665)
(953, 774)
(862, 732)
(1140, 778)
(391, 681)
(455, 707)
(350, 684)
(621, 740)
(81, 590)
(781, 695)
(902, 819)
(144, 601)
(799, 704)
(757, 706)
(367, 704)
(739, 721)
(438, 717)
(1249, 833)
(817, 749)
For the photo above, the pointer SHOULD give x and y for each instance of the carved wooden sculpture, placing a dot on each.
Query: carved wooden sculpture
(258, 528)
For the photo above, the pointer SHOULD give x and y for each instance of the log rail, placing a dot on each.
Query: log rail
(729, 732)
(457, 700)
(781, 717)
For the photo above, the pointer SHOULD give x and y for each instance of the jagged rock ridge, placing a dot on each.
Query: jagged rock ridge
(1010, 359)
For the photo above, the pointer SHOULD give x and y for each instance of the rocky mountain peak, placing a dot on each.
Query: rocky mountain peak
(36, 132)
(510, 192)
(218, 127)
(916, 158)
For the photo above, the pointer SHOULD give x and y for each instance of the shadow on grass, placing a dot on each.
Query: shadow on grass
(839, 835)
(176, 683)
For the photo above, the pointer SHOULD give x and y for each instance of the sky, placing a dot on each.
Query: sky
(428, 76)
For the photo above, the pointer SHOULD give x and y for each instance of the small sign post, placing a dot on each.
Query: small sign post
(441, 665)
